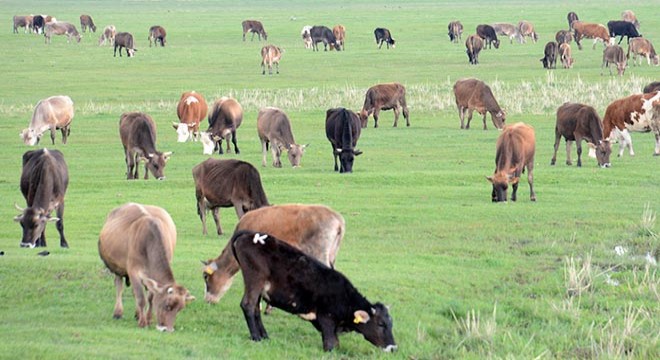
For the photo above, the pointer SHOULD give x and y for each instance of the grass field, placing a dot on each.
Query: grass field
(465, 278)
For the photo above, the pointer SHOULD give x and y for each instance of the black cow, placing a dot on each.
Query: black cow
(551, 53)
(622, 28)
(323, 34)
(487, 33)
(38, 23)
(571, 17)
(299, 284)
(44, 180)
(383, 36)
(652, 87)
(342, 127)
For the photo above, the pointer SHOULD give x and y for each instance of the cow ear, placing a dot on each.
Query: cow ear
(152, 285)
(305, 146)
(514, 180)
(189, 298)
(175, 126)
(361, 317)
(18, 218)
(357, 152)
(53, 219)
(489, 178)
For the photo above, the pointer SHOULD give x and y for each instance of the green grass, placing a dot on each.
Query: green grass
(422, 234)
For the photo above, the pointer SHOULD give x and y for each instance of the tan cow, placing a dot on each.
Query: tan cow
(455, 31)
(224, 119)
(598, 32)
(629, 16)
(191, 110)
(632, 113)
(274, 128)
(473, 45)
(526, 28)
(473, 94)
(108, 35)
(388, 96)
(60, 28)
(340, 35)
(515, 154)
(137, 244)
(613, 54)
(566, 56)
(270, 54)
(642, 47)
(509, 30)
(86, 22)
(22, 22)
(54, 113)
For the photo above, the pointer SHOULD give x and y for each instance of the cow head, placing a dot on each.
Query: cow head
(167, 300)
(182, 131)
(621, 67)
(207, 142)
(78, 37)
(216, 282)
(501, 181)
(33, 221)
(364, 117)
(346, 158)
(131, 52)
(156, 163)
(499, 119)
(30, 137)
(295, 153)
(601, 152)
(496, 43)
(376, 326)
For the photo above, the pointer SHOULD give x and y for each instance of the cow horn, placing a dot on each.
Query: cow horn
(338, 151)
(20, 209)
(167, 154)
(175, 125)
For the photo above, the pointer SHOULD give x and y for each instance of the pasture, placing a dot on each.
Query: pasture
(465, 278)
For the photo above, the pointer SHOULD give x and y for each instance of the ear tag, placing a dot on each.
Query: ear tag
(358, 319)
(259, 239)
(209, 270)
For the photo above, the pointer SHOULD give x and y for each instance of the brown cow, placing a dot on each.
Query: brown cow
(270, 54)
(566, 56)
(191, 110)
(613, 54)
(509, 30)
(474, 44)
(60, 28)
(274, 127)
(632, 113)
(598, 32)
(526, 28)
(550, 55)
(384, 97)
(515, 154)
(342, 128)
(124, 40)
(576, 122)
(87, 22)
(138, 136)
(642, 47)
(651, 87)
(157, 35)
(473, 94)
(455, 30)
(225, 118)
(108, 35)
(316, 230)
(339, 32)
(629, 16)
(254, 26)
(22, 22)
(564, 36)
(54, 113)
(226, 183)
(137, 244)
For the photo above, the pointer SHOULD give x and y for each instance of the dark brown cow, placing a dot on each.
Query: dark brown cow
(642, 47)
(651, 87)
(138, 135)
(225, 118)
(455, 30)
(632, 113)
(566, 55)
(515, 154)
(54, 113)
(576, 122)
(124, 40)
(550, 55)
(629, 16)
(227, 183)
(44, 180)
(255, 27)
(487, 33)
(384, 97)
(598, 32)
(60, 28)
(38, 22)
(342, 128)
(613, 54)
(339, 31)
(473, 94)
(323, 34)
(571, 17)
(274, 128)
(564, 37)
(157, 35)
(22, 22)
(526, 28)
(474, 44)
(86, 22)
(270, 54)
(137, 244)
(191, 110)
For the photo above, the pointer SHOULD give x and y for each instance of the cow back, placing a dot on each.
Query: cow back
(44, 177)
(192, 108)
(225, 182)
(138, 130)
(274, 125)
(515, 147)
(342, 128)
(124, 39)
(226, 116)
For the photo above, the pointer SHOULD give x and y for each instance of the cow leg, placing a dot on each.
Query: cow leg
(238, 206)
(150, 310)
(557, 140)
(277, 153)
(263, 68)
(376, 112)
(233, 140)
(264, 152)
(406, 114)
(626, 141)
(216, 217)
(657, 140)
(201, 211)
(530, 180)
(328, 329)
(119, 306)
(250, 307)
(277, 67)
(396, 116)
(578, 145)
(140, 300)
(53, 130)
(41, 241)
(60, 225)
(146, 171)
(469, 112)
(569, 150)
(65, 134)
(129, 164)
(484, 120)
(380, 44)
(461, 115)
(514, 193)
(335, 155)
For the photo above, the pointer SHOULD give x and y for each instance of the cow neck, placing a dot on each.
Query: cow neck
(157, 255)
(227, 261)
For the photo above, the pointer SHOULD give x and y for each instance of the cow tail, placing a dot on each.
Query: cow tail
(214, 115)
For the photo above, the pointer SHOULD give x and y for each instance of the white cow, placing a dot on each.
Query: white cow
(55, 112)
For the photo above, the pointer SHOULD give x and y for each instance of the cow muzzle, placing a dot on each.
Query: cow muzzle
(390, 348)
(28, 245)
(606, 165)
(163, 328)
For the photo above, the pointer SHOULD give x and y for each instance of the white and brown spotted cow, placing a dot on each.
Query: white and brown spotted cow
(632, 113)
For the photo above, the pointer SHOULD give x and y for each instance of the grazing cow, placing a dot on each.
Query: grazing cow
(44, 180)
(622, 28)
(515, 153)
(473, 94)
(629, 16)
(455, 30)
(342, 128)
(642, 47)
(315, 230)
(22, 22)
(137, 243)
(225, 117)
(473, 45)
(87, 22)
(297, 283)
(191, 110)
(613, 54)
(566, 56)
(651, 87)
(508, 30)
(339, 32)
(60, 28)
(550, 55)
(526, 28)
(38, 22)
(255, 27)
(598, 32)
(137, 131)
(54, 113)
(157, 35)
(383, 36)
(270, 54)
(124, 40)
(487, 33)
(632, 113)
(274, 128)
(384, 97)
(307, 36)
(564, 37)
(576, 122)
(571, 17)
(108, 35)
(227, 183)
(325, 35)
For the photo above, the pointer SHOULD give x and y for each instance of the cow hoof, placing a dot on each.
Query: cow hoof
(116, 316)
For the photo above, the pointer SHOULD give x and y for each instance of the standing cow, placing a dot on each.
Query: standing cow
(227, 183)
(383, 35)
(86, 22)
(60, 28)
(326, 36)
(642, 47)
(157, 35)
(44, 180)
(270, 54)
(632, 113)
(566, 56)
(598, 32)
(274, 128)
(571, 17)
(137, 131)
(576, 122)
(526, 28)
(622, 28)
(629, 16)
(307, 36)
(108, 35)
(255, 27)
(473, 45)
(342, 128)
(487, 33)
(22, 22)
(191, 110)
(651, 87)
(473, 94)
(613, 54)
(54, 113)
(455, 30)
(388, 96)
(38, 22)
(124, 40)
(550, 55)
(515, 154)
(563, 37)
(508, 30)
(224, 119)
(339, 31)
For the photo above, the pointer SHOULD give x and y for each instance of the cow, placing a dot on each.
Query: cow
(316, 230)
(274, 128)
(550, 55)
(629, 16)
(598, 32)
(326, 36)
(571, 17)
(455, 30)
(297, 283)
(22, 22)
(108, 35)
(515, 154)
(651, 87)
(54, 113)
(487, 33)
(509, 30)
(270, 54)
(38, 22)
(60, 28)
(613, 54)
(622, 28)
(307, 36)
(44, 180)
(224, 119)
(137, 131)
(339, 31)
(137, 243)
(342, 128)
(255, 27)
(473, 45)
(124, 40)
(566, 56)
(576, 122)
(473, 94)
(526, 28)
(191, 110)
(227, 183)
(632, 113)
(87, 22)
(389, 96)
(157, 35)
(383, 35)
(642, 47)
(563, 36)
